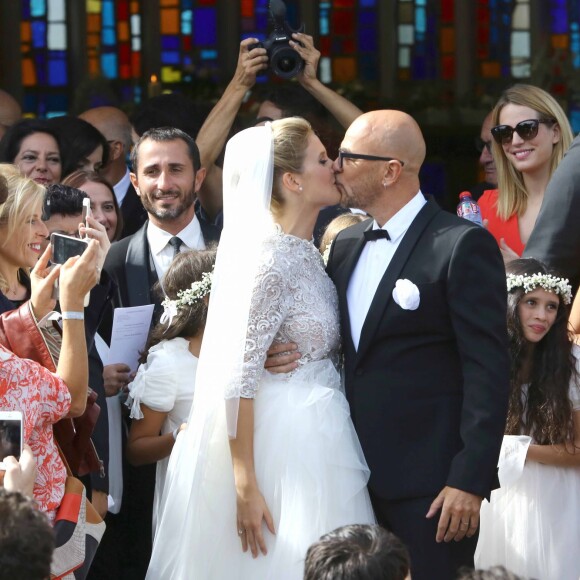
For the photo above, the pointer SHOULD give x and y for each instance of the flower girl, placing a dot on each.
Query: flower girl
(531, 524)
(162, 392)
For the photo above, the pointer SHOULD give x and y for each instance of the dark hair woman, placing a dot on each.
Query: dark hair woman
(34, 147)
(530, 525)
(82, 146)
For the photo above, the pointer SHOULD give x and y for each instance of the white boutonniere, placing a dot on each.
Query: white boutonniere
(326, 254)
(406, 294)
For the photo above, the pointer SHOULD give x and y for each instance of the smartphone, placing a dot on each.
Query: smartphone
(64, 247)
(10, 435)
(86, 211)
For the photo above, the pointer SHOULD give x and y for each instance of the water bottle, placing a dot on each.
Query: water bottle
(469, 209)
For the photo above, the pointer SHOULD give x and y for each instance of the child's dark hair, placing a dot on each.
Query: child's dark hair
(186, 268)
(546, 413)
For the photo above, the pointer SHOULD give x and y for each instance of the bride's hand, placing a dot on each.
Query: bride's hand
(252, 509)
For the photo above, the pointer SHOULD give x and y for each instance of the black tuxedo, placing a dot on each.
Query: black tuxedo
(555, 238)
(134, 214)
(130, 265)
(428, 388)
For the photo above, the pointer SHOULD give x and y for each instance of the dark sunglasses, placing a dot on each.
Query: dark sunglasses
(480, 145)
(527, 130)
(348, 155)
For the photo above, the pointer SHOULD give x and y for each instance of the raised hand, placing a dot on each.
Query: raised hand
(303, 44)
(250, 63)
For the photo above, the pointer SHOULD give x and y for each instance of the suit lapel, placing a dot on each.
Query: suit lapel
(138, 269)
(346, 254)
(384, 291)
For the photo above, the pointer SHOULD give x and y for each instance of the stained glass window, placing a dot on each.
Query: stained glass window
(564, 57)
(44, 46)
(425, 39)
(114, 42)
(348, 40)
(189, 43)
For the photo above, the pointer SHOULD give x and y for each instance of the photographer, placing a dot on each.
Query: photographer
(251, 62)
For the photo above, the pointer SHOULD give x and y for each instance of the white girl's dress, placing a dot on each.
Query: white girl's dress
(531, 525)
(309, 464)
(164, 383)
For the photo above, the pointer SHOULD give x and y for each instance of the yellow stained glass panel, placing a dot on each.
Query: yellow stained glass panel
(447, 40)
(344, 69)
(28, 72)
(123, 31)
(491, 70)
(170, 75)
(560, 41)
(25, 35)
(93, 6)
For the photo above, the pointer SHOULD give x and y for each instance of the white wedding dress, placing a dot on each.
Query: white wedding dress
(531, 525)
(309, 464)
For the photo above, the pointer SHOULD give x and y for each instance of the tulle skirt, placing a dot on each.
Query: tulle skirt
(310, 469)
(532, 526)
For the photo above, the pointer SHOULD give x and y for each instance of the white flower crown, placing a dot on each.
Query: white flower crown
(187, 297)
(529, 282)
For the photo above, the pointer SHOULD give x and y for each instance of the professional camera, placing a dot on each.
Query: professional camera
(284, 61)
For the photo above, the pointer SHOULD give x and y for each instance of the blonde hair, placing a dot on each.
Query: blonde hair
(513, 197)
(291, 137)
(25, 197)
(338, 224)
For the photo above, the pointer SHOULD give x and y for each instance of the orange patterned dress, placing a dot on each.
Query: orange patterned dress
(43, 399)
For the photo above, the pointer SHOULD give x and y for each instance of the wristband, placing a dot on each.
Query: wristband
(72, 315)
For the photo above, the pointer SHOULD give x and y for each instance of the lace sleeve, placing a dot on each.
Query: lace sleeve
(269, 308)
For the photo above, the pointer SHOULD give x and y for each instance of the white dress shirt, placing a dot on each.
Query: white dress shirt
(120, 188)
(162, 251)
(373, 263)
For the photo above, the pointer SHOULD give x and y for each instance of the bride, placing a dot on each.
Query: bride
(268, 463)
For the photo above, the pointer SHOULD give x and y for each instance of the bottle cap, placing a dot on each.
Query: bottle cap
(464, 194)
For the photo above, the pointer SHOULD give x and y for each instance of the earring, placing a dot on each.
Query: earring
(300, 188)
(385, 184)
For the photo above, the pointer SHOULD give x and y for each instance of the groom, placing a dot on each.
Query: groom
(423, 307)
(422, 297)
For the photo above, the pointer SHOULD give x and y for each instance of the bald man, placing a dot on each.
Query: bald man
(116, 127)
(423, 308)
(10, 111)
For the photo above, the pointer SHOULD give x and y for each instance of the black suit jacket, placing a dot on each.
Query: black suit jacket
(428, 388)
(130, 266)
(134, 214)
(555, 238)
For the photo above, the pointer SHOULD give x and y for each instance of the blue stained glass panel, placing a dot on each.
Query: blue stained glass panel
(57, 103)
(186, 22)
(108, 14)
(109, 65)
(57, 72)
(170, 57)
(209, 54)
(204, 25)
(38, 28)
(367, 19)
(366, 42)
(170, 42)
(37, 8)
(108, 37)
(368, 3)
(575, 120)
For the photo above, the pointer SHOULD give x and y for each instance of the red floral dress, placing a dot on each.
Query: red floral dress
(43, 399)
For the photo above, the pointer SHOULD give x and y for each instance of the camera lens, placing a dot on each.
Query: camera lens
(285, 62)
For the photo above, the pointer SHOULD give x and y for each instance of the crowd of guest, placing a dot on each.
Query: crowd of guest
(96, 428)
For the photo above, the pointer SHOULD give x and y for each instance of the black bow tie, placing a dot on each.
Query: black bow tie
(374, 235)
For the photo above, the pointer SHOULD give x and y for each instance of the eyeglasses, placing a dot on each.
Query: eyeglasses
(527, 130)
(480, 145)
(348, 155)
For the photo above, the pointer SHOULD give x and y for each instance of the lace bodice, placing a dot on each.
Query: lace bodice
(293, 301)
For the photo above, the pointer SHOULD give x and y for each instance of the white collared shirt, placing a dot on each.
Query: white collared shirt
(373, 263)
(162, 252)
(120, 188)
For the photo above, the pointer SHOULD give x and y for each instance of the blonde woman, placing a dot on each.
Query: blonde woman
(530, 134)
(22, 232)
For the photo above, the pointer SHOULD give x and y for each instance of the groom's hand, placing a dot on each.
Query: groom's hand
(459, 514)
(281, 358)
